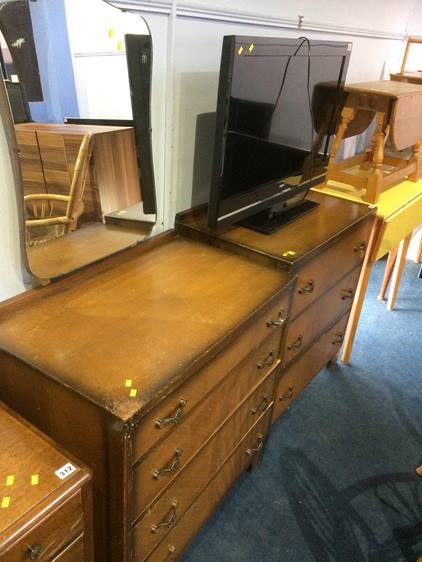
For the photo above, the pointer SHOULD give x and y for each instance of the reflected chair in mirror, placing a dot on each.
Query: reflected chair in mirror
(51, 215)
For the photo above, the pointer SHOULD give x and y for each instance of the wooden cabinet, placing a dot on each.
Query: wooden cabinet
(163, 367)
(324, 250)
(45, 498)
(158, 369)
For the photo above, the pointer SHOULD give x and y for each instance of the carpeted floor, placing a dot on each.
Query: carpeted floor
(337, 481)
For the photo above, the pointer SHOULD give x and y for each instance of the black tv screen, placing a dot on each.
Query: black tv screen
(278, 104)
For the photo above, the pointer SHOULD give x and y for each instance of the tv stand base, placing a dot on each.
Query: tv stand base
(267, 222)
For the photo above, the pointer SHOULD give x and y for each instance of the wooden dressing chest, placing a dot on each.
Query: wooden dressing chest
(325, 249)
(45, 498)
(157, 368)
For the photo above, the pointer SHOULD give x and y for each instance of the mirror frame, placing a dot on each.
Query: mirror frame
(13, 152)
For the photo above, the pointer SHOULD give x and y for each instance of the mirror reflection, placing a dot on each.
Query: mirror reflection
(79, 95)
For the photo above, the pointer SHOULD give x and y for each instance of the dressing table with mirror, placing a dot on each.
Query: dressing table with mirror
(162, 366)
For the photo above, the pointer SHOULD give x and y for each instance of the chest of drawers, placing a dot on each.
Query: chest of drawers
(158, 369)
(45, 498)
(324, 249)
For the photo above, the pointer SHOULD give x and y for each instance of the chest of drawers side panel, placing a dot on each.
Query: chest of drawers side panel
(85, 431)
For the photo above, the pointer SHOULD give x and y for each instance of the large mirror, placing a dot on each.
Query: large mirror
(78, 74)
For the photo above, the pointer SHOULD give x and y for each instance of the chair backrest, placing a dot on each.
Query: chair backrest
(410, 41)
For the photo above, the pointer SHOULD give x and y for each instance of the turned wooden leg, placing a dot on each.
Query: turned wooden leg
(387, 273)
(375, 180)
(347, 115)
(398, 270)
(416, 153)
(365, 273)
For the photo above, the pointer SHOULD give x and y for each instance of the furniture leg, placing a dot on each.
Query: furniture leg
(416, 149)
(388, 271)
(347, 115)
(365, 273)
(375, 180)
(398, 270)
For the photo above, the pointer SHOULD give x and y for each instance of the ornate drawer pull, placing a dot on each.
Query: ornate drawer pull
(34, 552)
(308, 288)
(269, 360)
(346, 294)
(172, 466)
(171, 552)
(282, 317)
(178, 415)
(296, 344)
(260, 439)
(360, 248)
(288, 395)
(262, 406)
(168, 520)
(338, 338)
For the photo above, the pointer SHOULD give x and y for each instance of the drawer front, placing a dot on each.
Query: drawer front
(295, 378)
(330, 266)
(51, 535)
(75, 552)
(205, 463)
(321, 314)
(150, 431)
(172, 547)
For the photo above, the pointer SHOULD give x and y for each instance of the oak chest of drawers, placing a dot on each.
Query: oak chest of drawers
(45, 498)
(324, 249)
(158, 369)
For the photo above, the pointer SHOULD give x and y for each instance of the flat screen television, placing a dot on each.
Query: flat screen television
(277, 108)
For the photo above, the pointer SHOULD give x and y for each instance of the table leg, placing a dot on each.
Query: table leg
(365, 273)
(388, 271)
(398, 270)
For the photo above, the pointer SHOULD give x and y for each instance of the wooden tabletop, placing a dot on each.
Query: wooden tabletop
(68, 128)
(150, 320)
(298, 240)
(387, 88)
(28, 463)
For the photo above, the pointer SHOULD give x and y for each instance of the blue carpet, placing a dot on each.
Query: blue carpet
(337, 481)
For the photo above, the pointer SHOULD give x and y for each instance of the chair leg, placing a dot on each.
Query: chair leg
(398, 270)
(387, 273)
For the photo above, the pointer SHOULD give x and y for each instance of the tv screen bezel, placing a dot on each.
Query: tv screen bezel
(240, 211)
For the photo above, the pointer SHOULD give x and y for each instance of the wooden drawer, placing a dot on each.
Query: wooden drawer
(52, 534)
(258, 398)
(201, 383)
(316, 277)
(188, 526)
(74, 552)
(295, 378)
(321, 314)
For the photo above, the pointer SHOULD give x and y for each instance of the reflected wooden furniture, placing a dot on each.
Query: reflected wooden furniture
(45, 498)
(325, 249)
(113, 181)
(398, 114)
(43, 213)
(399, 212)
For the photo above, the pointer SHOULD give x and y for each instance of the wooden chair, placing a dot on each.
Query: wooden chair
(60, 211)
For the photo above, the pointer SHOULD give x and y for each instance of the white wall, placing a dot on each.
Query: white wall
(187, 43)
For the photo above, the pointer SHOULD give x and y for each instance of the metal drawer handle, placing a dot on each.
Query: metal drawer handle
(346, 294)
(360, 248)
(296, 344)
(262, 406)
(168, 520)
(171, 552)
(308, 288)
(171, 468)
(269, 360)
(288, 395)
(260, 439)
(178, 415)
(338, 338)
(282, 317)
(34, 552)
